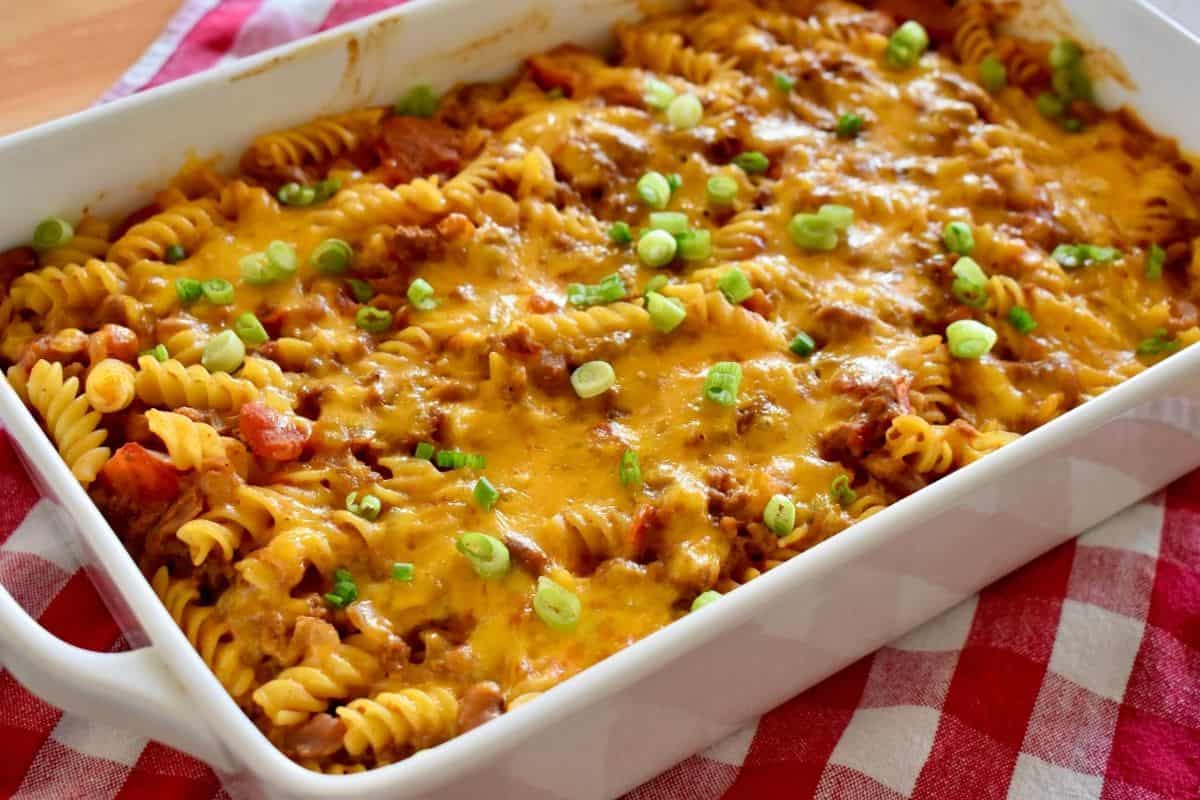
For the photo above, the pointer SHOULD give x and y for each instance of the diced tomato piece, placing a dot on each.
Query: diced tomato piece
(270, 433)
(15, 262)
(113, 341)
(640, 527)
(414, 147)
(134, 471)
(903, 384)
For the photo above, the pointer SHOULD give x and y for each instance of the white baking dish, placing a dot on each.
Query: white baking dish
(682, 688)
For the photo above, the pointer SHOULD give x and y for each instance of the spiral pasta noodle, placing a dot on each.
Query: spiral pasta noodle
(207, 632)
(183, 225)
(190, 444)
(72, 286)
(315, 142)
(304, 690)
(410, 717)
(72, 424)
(170, 383)
(90, 242)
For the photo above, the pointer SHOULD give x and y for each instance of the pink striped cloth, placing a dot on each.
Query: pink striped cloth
(1077, 676)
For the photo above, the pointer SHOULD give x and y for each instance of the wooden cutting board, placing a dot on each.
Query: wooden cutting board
(58, 56)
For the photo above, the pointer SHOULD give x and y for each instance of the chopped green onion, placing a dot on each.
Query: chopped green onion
(52, 232)
(362, 290)
(666, 313)
(485, 494)
(225, 352)
(1073, 256)
(610, 289)
(249, 329)
(654, 190)
(841, 492)
(419, 101)
(1158, 344)
(657, 248)
(323, 190)
(289, 193)
(1156, 258)
(849, 125)
(970, 283)
(158, 352)
(721, 190)
(424, 451)
(174, 254)
(421, 295)
(256, 269)
(1071, 84)
(281, 260)
(673, 222)
(1068, 256)
(188, 289)
(675, 181)
(631, 469)
(1049, 106)
(344, 593)
(593, 379)
(556, 606)
(455, 459)
(694, 245)
(488, 555)
(619, 232)
(1021, 319)
(784, 82)
(655, 284)
(402, 571)
(969, 339)
(1072, 125)
(722, 383)
(368, 507)
(332, 256)
(1065, 54)
(803, 345)
(373, 320)
(735, 286)
(685, 112)
(780, 515)
(705, 598)
(958, 238)
(217, 291)
(1094, 254)
(906, 45)
(657, 94)
(751, 162)
(840, 217)
(293, 194)
(993, 75)
(813, 232)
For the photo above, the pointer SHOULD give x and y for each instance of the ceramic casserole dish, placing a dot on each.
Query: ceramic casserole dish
(645, 708)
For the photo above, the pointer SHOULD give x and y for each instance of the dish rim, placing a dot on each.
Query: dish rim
(235, 731)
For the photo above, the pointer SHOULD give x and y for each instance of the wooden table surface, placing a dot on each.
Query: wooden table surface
(58, 56)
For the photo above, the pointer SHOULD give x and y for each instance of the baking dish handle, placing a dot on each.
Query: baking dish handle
(117, 689)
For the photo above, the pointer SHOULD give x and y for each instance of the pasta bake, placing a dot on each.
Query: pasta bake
(424, 409)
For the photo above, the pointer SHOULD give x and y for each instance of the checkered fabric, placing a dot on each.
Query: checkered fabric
(1078, 676)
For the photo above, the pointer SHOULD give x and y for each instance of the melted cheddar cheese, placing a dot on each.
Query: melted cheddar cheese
(235, 484)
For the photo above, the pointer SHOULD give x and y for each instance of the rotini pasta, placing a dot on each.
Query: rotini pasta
(70, 420)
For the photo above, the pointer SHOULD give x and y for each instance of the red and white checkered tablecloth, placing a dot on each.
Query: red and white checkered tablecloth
(1078, 676)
